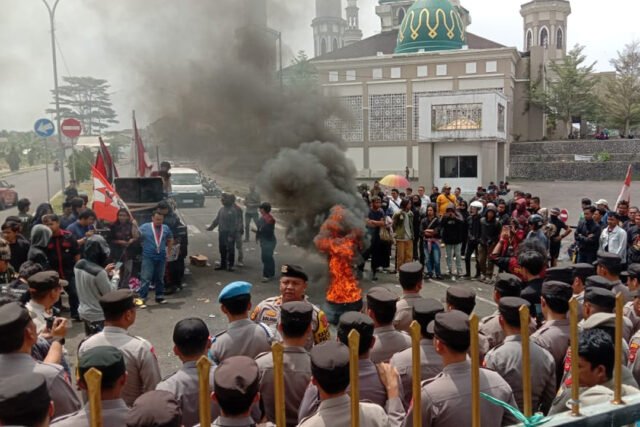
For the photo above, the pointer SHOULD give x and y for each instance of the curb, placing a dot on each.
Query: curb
(21, 171)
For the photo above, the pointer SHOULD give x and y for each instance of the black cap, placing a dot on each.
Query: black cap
(598, 282)
(354, 320)
(237, 377)
(291, 270)
(410, 274)
(603, 298)
(296, 311)
(381, 298)
(633, 270)
(560, 274)
(452, 328)
(583, 270)
(425, 310)
(23, 395)
(509, 308)
(46, 280)
(330, 365)
(461, 298)
(609, 260)
(13, 316)
(106, 359)
(558, 290)
(190, 334)
(117, 302)
(508, 285)
(157, 408)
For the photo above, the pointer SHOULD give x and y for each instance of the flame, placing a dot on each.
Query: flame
(340, 242)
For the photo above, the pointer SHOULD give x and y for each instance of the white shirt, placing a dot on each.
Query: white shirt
(615, 241)
(40, 313)
(394, 205)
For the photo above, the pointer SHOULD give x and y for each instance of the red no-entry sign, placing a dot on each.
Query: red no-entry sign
(71, 128)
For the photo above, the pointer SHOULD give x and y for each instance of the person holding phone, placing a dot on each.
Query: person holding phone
(83, 227)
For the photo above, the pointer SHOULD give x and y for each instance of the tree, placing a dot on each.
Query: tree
(88, 100)
(83, 161)
(301, 73)
(568, 89)
(13, 159)
(621, 101)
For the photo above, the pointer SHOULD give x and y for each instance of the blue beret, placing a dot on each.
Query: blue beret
(235, 289)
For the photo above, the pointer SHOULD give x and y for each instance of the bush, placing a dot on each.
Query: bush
(13, 159)
(83, 162)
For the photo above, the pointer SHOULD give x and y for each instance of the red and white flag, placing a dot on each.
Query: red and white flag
(626, 188)
(106, 201)
(104, 163)
(141, 164)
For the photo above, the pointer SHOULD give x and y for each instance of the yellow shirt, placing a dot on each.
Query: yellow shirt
(443, 201)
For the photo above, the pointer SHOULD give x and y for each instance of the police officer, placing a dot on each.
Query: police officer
(580, 273)
(293, 284)
(560, 274)
(410, 276)
(632, 308)
(424, 311)
(506, 359)
(242, 336)
(157, 408)
(236, 387)
(294, 328)
(143, 372)
(45, 289)
(110, 362)
(598, 300)
(17, 337)
(609, 266)
(381, 307)
(597, 282)
(464, 299)
(25, 400)
(446, 399)
(190, 342)
(506, 285)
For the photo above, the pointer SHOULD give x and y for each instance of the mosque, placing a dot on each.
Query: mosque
(428, 94)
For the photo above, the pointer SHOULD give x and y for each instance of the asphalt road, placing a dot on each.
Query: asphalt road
(33, 186)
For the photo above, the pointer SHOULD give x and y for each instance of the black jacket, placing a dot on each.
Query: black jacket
(452, 230)
(489, 231)
(588, 244)
(473, 227)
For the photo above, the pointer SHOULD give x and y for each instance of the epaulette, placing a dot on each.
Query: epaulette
(267, 331)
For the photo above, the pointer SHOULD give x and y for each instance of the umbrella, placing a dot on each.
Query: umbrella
(397, 181)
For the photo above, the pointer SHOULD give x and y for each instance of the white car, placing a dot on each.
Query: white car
(186, 187)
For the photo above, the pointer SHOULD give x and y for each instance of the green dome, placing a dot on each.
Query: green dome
(431, 25)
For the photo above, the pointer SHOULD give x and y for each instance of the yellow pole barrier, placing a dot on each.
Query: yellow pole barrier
(416, 372)
(526, 360)
(354, 358)
(475, 371)
(575, 372)
(93, 380)
(617, 365)
(204, 368)
(278, 383)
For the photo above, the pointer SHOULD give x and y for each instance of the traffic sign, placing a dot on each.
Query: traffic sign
(71, 128)
(564, 215)
(44, 128)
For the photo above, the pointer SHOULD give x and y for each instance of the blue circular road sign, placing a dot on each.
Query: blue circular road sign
(44, 128)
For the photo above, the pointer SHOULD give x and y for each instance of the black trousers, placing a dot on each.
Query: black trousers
(472, 246)
(227, 247)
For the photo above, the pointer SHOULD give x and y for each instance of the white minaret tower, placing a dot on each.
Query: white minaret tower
(545, 25)
(328, 26)
(353, 32)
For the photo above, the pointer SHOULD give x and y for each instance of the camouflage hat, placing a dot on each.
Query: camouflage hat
(5, 250)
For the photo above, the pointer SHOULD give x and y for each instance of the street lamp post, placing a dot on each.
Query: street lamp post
(52, 13)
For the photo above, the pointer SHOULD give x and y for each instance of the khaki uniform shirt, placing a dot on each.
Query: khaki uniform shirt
(143, 372)
(114, 414)
(404, 311)
(268, 312)
(297, 374)
(630, 313)
(336, 412)
(389, 341)
(589, 396)
(580, 298)
(242, 338)
(506, 359)
(62, 394)
(553, 336)
(430, 365)
(618, 286)
(490, 328)
(231, 422)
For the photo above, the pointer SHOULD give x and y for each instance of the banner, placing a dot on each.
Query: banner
(106, 201)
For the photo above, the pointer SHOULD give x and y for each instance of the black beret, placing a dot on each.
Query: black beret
(560, 274)
(291, 270)
(633, 270)
(509, 308)
(236, 377)
(559, 290)
(117, 301)
(296, 311)
(461, 298)
(410, 273)
(13, 316)
(583, 270)
(330, 363)
(22, 395)
(190, 331)
(425, 310)
(603, 298)
(381, 299)
(157, 408)
(106, 359)
(608, 260)
(598, 282)
(46, 280)
(452, 328)
(355, 320)
(508, 285)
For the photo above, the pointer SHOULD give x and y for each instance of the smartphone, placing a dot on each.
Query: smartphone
(49, 321)
(118, 266)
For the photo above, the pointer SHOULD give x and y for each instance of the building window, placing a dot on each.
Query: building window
(387, 117)
(560, 39)
(335, 44)
(471, 67)
(491, 67)
(323, 47)
(351, 75)
(333, 76)
(529, 42)
(350, 125)
(544, 37)
(441, 70)
(459, 167)
(401, 14)
(396, 73)
(377, 73)
(423, 71)
(501, 118)
(453, 117)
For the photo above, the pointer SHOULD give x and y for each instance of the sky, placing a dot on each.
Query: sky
(88, 44)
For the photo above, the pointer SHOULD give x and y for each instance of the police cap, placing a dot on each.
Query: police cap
(22, 396)
(291, 270)
(410, 274)
(603, 298)
(381, 299)
(598, 282)
(508, 285)
(117, 302)
(235, 289)
(461, 298)
(13, 316)
(583, 270)
(509, 308)
(558, 290)
(106, 359)
(157, 408)
(237, 377)
(46, 280)
(452, 328)
(633, 271)
(560, 274)
(296, 311)
(425, 310)
(355, 320)
(608, 260)
(330, 365)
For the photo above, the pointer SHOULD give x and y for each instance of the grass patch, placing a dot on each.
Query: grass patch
(84, 188)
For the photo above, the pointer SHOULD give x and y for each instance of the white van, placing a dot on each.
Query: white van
(186, 187)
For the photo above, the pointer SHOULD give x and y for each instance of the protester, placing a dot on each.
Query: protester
(430, 230)
(124, 234)
(266, 236)
(25, 218)
(18, 244)
(251, 206)
(452, 230)
(40, 236)
(157, 243)
(403, 233)
(229, 224)
(83, 227)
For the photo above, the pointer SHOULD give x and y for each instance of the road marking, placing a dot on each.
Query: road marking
(491, 303)
(193, 229)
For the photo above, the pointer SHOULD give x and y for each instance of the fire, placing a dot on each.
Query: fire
(340, 242)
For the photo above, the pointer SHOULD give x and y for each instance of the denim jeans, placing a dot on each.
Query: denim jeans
(451, 251)
(432, 258)
(267, 247)
(152, 271)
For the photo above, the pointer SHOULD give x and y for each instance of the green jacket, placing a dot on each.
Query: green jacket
(399, 230)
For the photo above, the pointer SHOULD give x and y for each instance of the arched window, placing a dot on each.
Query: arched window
(529, 41)
(335, 44)
(560, 39)
(544, 37)
(323, 47)
(401, 13)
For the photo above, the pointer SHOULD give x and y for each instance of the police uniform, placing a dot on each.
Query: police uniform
(13, 317)
(242, 337)
(605, 301)
(506, 359)
(410, 274)
(110, 362)
(506, 285)
(268, 311)
(581, 271)
(633, 271)
(602, 393)
(296, 364)
(155, 408)
(331, 360)
(446, 399)
(42, 281)
(23, 398)
(143, 372)
(464, 299)
(389, 341)
(424, 311)
(613, 263)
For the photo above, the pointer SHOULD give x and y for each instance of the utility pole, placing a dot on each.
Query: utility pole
(278, 36)
(52, 13)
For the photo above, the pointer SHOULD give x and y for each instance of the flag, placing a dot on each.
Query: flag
(106, 201)
(626, 187)
(104, 163)
(141, 165)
